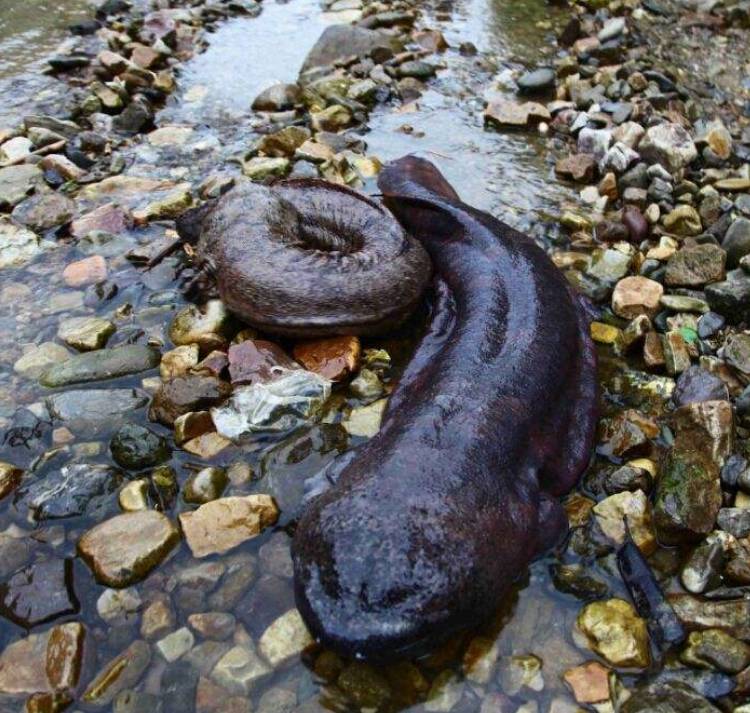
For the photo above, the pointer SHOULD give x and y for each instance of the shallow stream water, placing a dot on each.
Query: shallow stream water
(507, 174)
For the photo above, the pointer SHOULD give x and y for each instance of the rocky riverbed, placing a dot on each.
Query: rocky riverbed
(153, 451)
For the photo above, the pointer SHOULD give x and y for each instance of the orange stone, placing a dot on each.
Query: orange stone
(85, 272)
(589, 682)
(333, 358)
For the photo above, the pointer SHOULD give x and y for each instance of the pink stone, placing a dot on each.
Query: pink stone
(111, 218)
(85, 272)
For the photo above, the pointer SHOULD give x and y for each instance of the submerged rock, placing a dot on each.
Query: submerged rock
(221, 525)
(102, 364)
(121, 673)
(41, 357)
(44, 663)
(39, 593)
(17, 245)
(667, 697)
(715, 648)
(24, 438)
(135, 447)
(280, 405)
(616, 632)
(17, 182)
(117, 557)
(95, 409)
(284, 639)
(73, 490)
(86, 333)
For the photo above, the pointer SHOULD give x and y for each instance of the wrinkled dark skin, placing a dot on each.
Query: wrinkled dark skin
(308, 258)
(429, 523)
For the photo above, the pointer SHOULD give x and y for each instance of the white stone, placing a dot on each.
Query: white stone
(285, 638)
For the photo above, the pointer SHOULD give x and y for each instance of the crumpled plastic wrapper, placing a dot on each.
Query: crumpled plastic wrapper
(281, 405)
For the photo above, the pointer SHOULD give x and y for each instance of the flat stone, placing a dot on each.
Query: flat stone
(170, 136)
(716, 649)
(684, 221)
(688, 496)
(667, 697)
(580, 167)
(221, 525)
(119, 606)
(10, 478)
(136, 447)
(213, 625)
(41, 357)
(93, 409)
(538, 80)
(86, 333)
(175, 645)
(15, 149)
(260, 167)
(39, 593)
(735, 521)
(102, 364)
(43, 663)
(283, 142)
(206, 485)
(178, 361)
(117, 558)
(365, 421)
(277, 97)
(733, 184)
(731, 297)
(736, 241)
(696, 384)
(616, 633)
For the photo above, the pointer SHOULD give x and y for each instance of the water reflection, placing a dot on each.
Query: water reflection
(29, 29)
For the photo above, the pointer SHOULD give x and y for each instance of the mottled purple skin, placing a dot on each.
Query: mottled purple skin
(429, 523)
